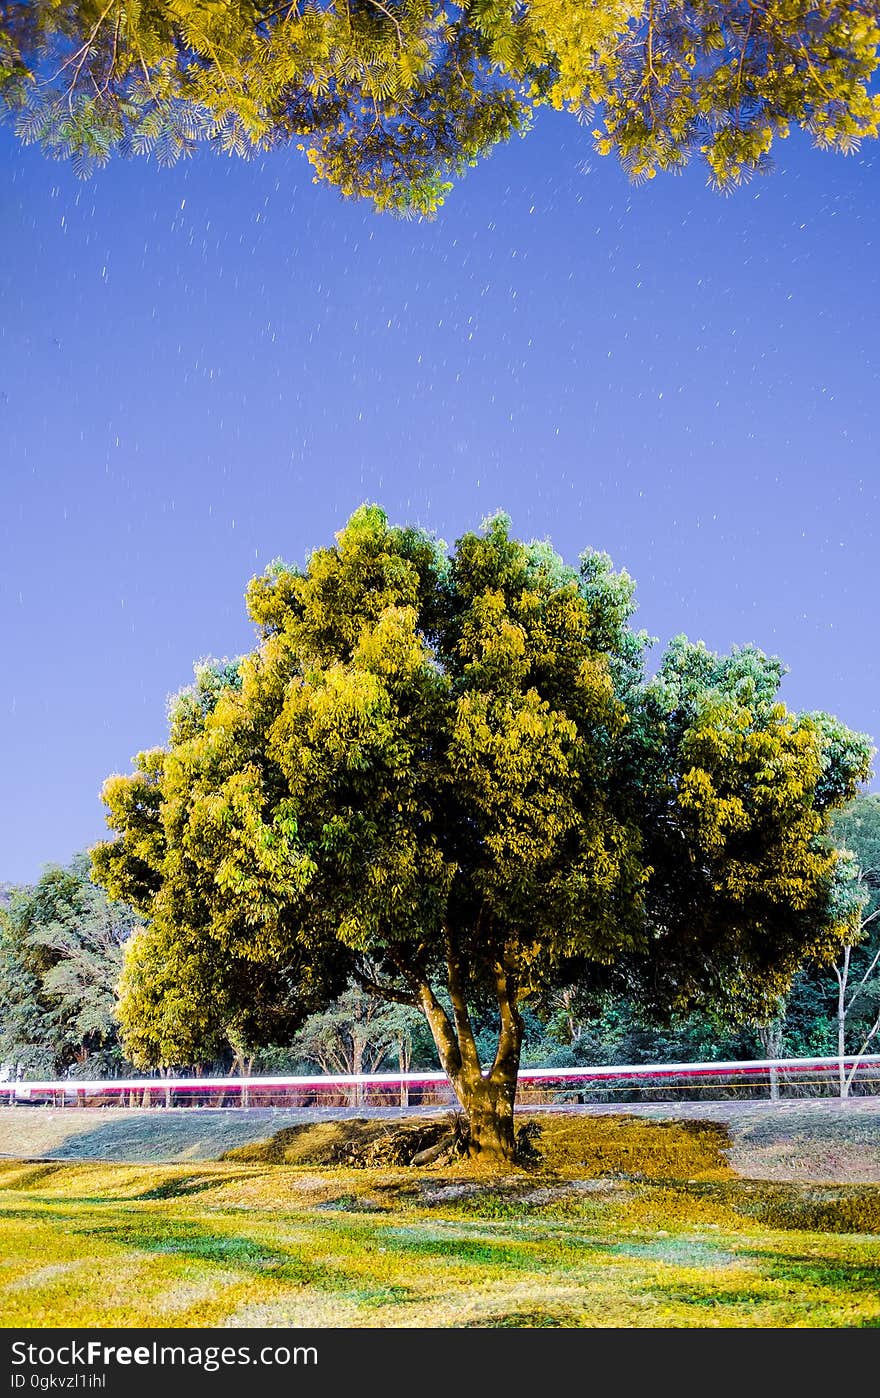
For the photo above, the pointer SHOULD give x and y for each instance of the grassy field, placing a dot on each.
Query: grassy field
(623, 1222)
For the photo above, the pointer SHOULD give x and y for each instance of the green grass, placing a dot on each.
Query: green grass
(624, 1224)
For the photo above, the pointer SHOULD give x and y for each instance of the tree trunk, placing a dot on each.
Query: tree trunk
(770, 1036)
(566, 999)
(842, 978)
(403, 1062)
(489, 1109)
(245, 1063)
(487, 1098)
(357, 1067)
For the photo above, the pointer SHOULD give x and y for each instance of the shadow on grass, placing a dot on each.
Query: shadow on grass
(702, 1297)
(811, 1208)
(185, 1185)
(779, 1287)
(260, 1260)
(847, 1278)
(13, 1179)
(528, 1255)
(147, 1138)
(175, 1188)
(527, 1320)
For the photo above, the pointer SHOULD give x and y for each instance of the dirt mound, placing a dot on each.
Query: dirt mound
(362, 1144)
(794, 1140)
(605, 1145)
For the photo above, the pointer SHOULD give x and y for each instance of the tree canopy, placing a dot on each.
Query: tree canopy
(446, 775)
(393, 99)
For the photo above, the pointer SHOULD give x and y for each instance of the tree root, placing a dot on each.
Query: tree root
(424, 1143)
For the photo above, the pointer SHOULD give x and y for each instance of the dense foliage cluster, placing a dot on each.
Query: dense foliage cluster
(392, 99)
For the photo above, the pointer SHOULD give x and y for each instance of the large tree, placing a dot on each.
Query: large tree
(446, 774)
(392, 99)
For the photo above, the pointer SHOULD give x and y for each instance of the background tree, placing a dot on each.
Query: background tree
(357, 1034)
(856, 830)
(392, 99)
(771, 1037)
(61, 951)
(618, 1032)
(445, 775)
(25, 1044)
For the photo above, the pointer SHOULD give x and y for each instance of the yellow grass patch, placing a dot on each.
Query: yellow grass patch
(622, 1222)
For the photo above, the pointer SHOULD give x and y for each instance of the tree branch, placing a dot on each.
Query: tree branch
(444, 1035)
(464, 1030)
(510, 1036)
(875, 1029)
(379, 6)
(862, 982)
(386, 992)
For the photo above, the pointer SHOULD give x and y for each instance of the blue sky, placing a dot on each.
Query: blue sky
(204, 368)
